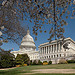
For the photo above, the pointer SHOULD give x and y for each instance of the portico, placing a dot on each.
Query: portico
(54, 50)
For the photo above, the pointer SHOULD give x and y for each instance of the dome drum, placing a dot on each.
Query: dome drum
(27, 41)
(27, 46)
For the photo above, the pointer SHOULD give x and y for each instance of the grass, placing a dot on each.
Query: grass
(27, 69)
(51, 74)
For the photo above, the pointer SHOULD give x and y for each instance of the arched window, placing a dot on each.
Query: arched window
(54, 56)
(57, 55)
(60, 55)
(51, 56)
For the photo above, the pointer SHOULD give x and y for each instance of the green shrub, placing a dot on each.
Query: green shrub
(39, 62)
(35, 62)
(7, 61)
(22, 59)
(44, 61)
(31, 62)
(50, 62)
(0, 63)
(71, 61)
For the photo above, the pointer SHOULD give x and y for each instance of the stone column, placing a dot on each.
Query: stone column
(51, 48)
(48, 49)
(41, 50)
(44, 50)
(56, 48)
(62, 49)
(59, 48)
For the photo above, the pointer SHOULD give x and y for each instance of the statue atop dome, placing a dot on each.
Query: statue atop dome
(28, 32)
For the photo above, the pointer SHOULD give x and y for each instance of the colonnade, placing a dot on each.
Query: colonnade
(51, 49)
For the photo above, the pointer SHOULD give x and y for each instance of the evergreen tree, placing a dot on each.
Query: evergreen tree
(6, 59)
(22, 59)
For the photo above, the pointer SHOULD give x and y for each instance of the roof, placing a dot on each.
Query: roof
(54, 41)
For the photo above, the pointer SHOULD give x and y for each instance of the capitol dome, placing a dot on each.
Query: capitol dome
(28, 40)
(28, 47)
(28, 37)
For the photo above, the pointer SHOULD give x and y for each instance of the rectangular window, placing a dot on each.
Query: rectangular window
(51, 56)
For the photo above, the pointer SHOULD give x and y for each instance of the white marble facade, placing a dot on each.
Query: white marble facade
(28, 47)
(54, 51)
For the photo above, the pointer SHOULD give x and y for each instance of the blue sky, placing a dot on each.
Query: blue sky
(42, 37)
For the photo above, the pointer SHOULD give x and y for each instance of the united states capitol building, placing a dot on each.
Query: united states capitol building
(28, 47)
(53, 51)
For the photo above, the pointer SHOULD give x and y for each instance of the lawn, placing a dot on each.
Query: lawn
(27, 69)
